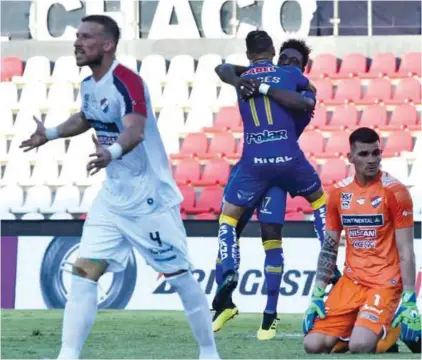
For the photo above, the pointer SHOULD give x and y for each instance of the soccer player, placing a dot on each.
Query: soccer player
(375, 211)
(294, 55)
(138, 206)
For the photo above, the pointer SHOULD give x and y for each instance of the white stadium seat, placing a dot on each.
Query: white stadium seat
(6, 122)
(181, 69)
(11, 196)
(3, 148)
(81, 146)
(5, 215)
(32, 216)
(204, 93)
(37, 68)
(24, 123)
(415, 172)
(52, 150)
(128, 61)
(172, 118)
(33, 95)
(61, 216)
(17, 169)
(37, 197)
(205, 70)
(175, 93)
(198, 118)
(15, 151)
(65, 69)
(66, 197)
(170, 139)
(44, 170)
(155, 92)
(56, 116)
(237, 59)
(73, 172)
(396, 167)
(87, 198)
(227, 96)
(154, 66)
(60, 95)
(8, 95)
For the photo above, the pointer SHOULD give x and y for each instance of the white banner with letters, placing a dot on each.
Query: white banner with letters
(41, 284)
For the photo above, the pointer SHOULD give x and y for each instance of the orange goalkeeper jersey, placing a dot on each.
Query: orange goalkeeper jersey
(370, 215)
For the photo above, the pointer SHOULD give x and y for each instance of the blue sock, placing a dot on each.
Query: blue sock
(218, 270)
(227, 240)
(320, 211)
(274, 264)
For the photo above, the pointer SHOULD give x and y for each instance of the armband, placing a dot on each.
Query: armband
(51, 133)
(263, 89)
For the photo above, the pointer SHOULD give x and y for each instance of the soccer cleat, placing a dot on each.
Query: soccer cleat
(225, 290)
(222, 316)
(268, 328)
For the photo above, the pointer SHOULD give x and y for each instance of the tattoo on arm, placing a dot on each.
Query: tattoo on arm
(327, 259)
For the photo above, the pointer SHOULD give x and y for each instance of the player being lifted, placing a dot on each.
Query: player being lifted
(272, 208)
(375, 211)
(271, 155)
(138, 206)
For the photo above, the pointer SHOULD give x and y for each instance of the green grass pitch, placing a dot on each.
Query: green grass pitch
(154, 334)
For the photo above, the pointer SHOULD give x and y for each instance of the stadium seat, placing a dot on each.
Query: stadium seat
(60, 95)
(311, 143)
(10, 66)
(45, 170)
(319, 119)
(337, 145)
(181, 69)
(17, 169)
(378, 90)
(56, 150)
(32, 216)
(8, 95)
(220, 145)
(33, 95)
(37, 68)
(24, 124)
(55, 117)
(333, 171)
(323, 65)
(189, 197)
(11, 196)
(209, 200)
(228, 118)
(373, 116)
(415, 174)
(65, 70)
(5, 215)
(66, 197)
(3, 148)
(396, 167)
(298, 203)
(348, 90)
(15, 151)
(383, 64)
(343, 117)
(403, 117)
(193, 144)
(154, 67)
(238, 152)
(205, 70)
(61, 216)
(410, 65)
(237, 59)
(295, 216)
(216, 172)
(37, 197)
(88, 197)
(73, 172)
(227, 96)
(324, 90)
(198, 118)
(81, 146)
(6, 123)
(408, 90)
(172, 118)
(352, 65)
(175, 93)
(416, 194)
(187, 171)
(204, 93)
(155, 91)
(397, 142)
(206, 216)
(129, 61)
(170, 139)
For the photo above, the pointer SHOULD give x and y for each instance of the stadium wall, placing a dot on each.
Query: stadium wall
(33, 253)
(339, 45)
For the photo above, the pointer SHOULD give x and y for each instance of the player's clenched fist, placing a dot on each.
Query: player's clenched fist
(316, 308)
(409, 318)
(102, 158)
(37, 139)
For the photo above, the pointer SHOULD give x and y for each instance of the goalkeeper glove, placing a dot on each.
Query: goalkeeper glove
(316, 308)
(408, 316)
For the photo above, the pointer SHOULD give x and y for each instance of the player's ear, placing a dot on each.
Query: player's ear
(350, 157)
(108, 45)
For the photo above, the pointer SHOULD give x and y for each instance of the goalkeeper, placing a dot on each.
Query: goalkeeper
(375, 211)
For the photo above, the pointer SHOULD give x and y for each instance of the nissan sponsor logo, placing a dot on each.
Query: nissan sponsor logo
(357, 233)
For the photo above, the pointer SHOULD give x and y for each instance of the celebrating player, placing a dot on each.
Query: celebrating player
(138, 206)
(294, 55)
(375, 210)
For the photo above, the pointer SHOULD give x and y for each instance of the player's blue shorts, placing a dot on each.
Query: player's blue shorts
(249, 183)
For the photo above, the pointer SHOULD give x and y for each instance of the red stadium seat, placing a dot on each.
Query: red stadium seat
(206, 216)
(348, 90)
(298, 203)
(337, 145)
(378, 90)
(319, 120)
(187, 170)
(189, 196)
(295, 216)
(410, 65)
(194, 144)
(216, 172)
(383, 64)
(221, 144)
(11, 66)
(311, 142)
(342, 118)
(404, 117)
(333, 171)
(373, 116)
(323, 65)
(209, 200)
(397, 142)
(324, 90)
(228, 118)
(351, 66)
(408, 90)
(239, 149)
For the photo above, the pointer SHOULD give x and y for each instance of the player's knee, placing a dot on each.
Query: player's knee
(91, 269)
(314, 344)
(271, 231)
(361, 346)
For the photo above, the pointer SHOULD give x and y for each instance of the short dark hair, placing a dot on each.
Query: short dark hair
(363, 135)
(258, 41)
(110, 26)
(298, 45)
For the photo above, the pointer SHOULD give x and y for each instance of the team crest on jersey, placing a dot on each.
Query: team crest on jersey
(346, 199)
(104, 104)
(376, 201)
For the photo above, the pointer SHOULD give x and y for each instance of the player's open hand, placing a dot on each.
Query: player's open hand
(37, 139)
(247, 88)
(102, 158)
(316, 308)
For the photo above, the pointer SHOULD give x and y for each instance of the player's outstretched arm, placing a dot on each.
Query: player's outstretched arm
(229, 73)
(75, 125)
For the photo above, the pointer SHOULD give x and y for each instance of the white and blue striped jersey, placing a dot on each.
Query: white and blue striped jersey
(141, 181)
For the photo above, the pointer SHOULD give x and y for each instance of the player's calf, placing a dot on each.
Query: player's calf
(363, 341)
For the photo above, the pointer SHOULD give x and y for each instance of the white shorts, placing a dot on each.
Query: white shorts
(160, 237)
